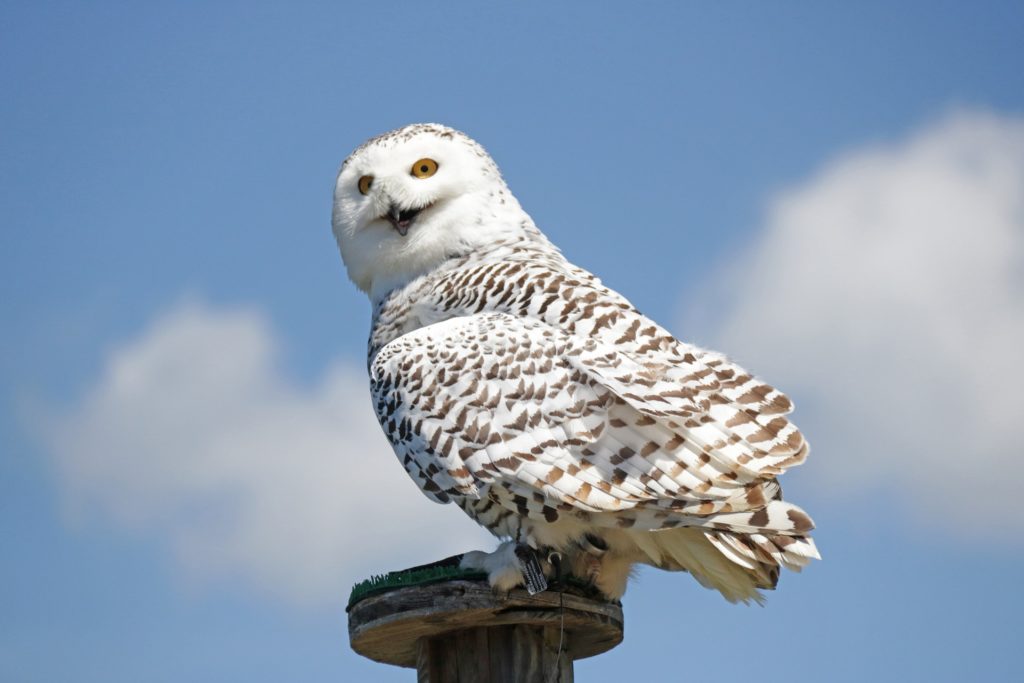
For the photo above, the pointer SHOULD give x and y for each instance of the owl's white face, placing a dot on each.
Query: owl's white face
(408, 200)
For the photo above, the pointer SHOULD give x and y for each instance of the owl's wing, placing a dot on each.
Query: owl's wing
(544, 421)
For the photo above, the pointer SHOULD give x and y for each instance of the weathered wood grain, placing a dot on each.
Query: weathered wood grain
(459, 631)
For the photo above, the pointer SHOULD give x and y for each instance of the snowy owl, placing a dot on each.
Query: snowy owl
(509, 381)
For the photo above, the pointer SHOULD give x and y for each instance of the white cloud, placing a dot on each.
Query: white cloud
(192, 433)
(887, 293)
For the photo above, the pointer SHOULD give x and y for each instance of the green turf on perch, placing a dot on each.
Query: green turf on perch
(447, 570)
(417, 576)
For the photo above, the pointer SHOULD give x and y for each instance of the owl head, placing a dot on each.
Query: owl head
(408, 200)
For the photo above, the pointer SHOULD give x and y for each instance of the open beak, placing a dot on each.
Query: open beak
(401, 219)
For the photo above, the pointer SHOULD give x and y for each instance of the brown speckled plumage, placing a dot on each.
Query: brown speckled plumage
(549, 409)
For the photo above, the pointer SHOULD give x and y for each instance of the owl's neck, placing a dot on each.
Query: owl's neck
(419, 302)
(485, 237)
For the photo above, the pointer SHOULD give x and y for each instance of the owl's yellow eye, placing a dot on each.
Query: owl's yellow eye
(424, 168)
(364, 184)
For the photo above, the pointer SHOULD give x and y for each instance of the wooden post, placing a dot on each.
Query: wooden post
(460, 631)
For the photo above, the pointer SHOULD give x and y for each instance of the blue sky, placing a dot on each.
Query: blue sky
(190, 474)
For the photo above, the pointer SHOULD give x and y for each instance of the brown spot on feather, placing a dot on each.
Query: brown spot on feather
(801, 522)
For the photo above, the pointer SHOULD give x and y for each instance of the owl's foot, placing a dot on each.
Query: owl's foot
(588, 562)
(502, 566)
(511, 565)
(602, 567)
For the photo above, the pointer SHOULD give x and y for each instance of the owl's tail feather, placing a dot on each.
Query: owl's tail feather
(776, 517)
(734, 564)
(755, 551)
(688, 549)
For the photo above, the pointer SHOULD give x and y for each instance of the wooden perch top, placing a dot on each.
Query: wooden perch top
(388, 626)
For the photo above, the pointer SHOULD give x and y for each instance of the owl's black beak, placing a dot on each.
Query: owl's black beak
(401, 219)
